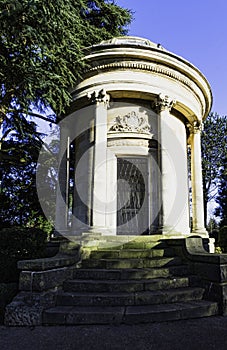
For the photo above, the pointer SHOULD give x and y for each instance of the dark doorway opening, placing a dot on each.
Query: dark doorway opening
(132, 195)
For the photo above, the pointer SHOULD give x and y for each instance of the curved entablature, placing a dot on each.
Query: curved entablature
(151, 61)
(125, 89)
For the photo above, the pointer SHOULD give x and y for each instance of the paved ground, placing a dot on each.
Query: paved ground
(203, 334)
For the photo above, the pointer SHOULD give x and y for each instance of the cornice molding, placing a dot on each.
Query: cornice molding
(141, 66)
(150, 67)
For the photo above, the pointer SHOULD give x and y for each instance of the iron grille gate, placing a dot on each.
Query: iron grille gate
(132, 198)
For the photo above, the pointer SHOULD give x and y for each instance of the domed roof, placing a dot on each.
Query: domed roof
(130, 41)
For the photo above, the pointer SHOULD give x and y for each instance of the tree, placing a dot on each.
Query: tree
(214, 151)
(41, 57)
(19, 201)
(41, 51)
(221, 211)
(212, 228)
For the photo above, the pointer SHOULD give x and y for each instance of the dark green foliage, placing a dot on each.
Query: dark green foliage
(221, 211)
(41, 49)
(41, 57)
(214, 151)
(7, 293)
(19, 202)
(213, 229)
(222, 239)
(18, 244)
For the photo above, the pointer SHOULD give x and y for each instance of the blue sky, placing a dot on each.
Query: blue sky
(195, 30)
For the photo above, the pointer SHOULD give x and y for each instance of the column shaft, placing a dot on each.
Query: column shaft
(174, 216)
(164, 104)
(196, 179)
(99, 193)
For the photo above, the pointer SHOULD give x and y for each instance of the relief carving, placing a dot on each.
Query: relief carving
(131, 122)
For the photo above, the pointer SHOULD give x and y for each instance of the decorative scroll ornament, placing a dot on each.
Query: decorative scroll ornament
(131, 122)
(99, 96)
(195, 127)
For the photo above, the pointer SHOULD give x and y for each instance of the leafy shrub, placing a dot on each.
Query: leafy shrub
(16, 244)
(222, 239)
(7, 292)
(218, 250)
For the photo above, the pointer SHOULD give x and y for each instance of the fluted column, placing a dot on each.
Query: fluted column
(164, 104)
(196, 179)
(100, 99)
(62, 191)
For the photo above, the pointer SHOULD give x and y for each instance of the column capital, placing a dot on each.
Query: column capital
(164, 102)
(196, 127)
(99, 96)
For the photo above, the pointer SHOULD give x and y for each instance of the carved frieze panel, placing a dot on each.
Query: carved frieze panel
(131, 122)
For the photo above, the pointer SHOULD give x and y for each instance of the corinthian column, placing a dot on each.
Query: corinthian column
(164, 104)
(196, 179)
(100, 99)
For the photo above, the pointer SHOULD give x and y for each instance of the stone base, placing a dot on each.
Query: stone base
(40, 281)
(27, 308)
(201, 233)
(210, 269)
(7, 293)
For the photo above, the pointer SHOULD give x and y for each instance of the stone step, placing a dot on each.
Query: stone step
(77, 315)
(128, 274)
(130, 263)
(131, 253)
(118, 242)
(123, 299)
(109, 246)
(124, 285)
(170, 312)
(131, 282)
(115, 245)
(137, 244)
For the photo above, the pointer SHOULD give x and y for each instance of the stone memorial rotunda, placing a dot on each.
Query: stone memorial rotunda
(133, 116)
(130, 252)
